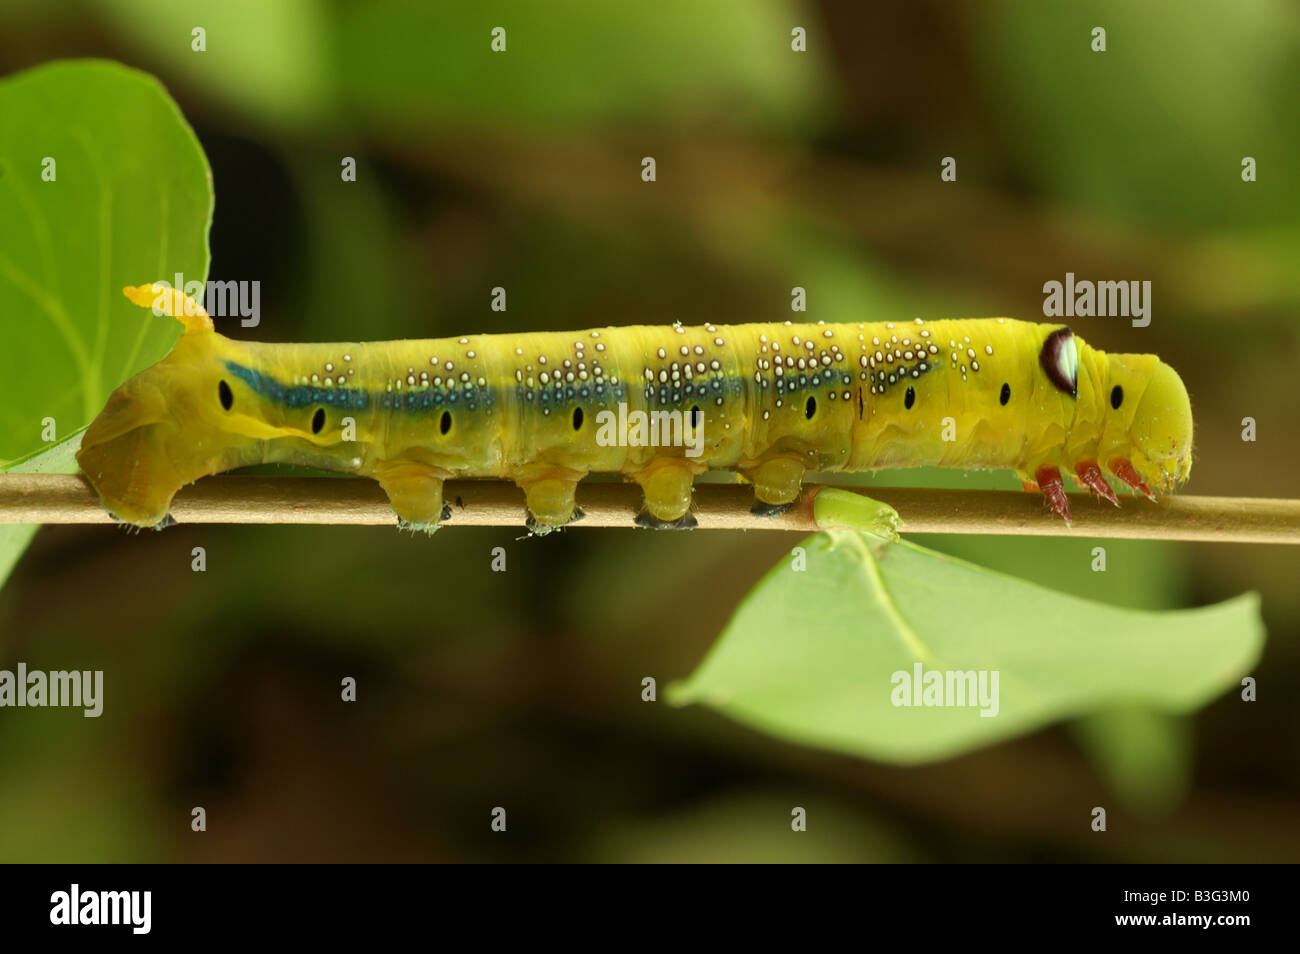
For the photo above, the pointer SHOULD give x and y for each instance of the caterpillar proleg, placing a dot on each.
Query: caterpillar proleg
(769, 401)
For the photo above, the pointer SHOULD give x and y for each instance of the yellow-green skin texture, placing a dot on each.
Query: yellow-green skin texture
(774, 400)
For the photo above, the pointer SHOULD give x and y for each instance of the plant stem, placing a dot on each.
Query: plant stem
(54, 498)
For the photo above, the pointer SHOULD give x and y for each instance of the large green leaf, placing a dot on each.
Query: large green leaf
(130, 202)
(812, 655)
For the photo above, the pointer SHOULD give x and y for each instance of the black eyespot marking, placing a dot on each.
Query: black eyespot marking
(1060, 361)
(318, 421)
(444, 425)
(225, 396)
(909, 398)
(810, 408)
(695, 415)
(577, 418)
(1005, 396)
(1116, 397)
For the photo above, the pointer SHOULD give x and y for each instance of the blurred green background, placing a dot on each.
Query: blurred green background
(775, 169)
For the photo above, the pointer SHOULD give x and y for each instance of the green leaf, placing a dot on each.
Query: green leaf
(818, 656)
(129, 203)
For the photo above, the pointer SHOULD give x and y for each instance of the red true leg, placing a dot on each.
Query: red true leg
(1053, 488)
(1125, 471)
(1090, 476)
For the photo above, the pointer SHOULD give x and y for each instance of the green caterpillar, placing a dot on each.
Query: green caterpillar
(769, 401)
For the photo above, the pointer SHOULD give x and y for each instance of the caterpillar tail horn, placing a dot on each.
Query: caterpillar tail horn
(165, 300)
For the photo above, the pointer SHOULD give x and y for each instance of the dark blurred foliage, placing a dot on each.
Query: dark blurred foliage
(522, 689)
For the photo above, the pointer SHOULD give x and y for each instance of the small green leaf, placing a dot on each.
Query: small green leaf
(821, 657)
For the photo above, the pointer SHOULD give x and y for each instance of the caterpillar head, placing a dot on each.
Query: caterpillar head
(1149, 411)
(163, 428)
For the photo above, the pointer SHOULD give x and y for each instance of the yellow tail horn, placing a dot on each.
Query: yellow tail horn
(165, 300)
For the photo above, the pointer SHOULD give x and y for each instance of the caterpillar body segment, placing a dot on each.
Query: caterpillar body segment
(657, 404)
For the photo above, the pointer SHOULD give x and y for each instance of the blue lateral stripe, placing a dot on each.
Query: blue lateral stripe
(300, 395)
